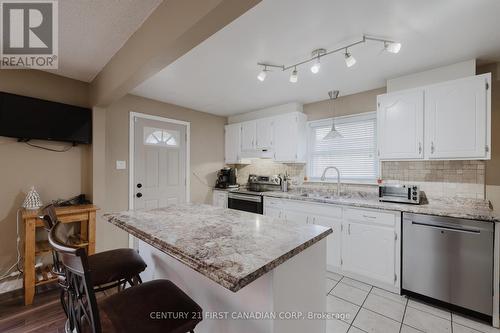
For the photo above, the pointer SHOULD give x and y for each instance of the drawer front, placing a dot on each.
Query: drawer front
(371, 216)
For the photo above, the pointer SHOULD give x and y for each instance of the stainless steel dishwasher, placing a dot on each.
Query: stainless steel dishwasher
(449, 260)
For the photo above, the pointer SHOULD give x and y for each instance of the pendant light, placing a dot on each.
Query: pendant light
(333, 134)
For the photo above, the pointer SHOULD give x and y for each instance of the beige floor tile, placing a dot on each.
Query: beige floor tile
(374, 323)
(345, 309)
(357, 284)
(336, 326)
(443, 313)
(385, 306)
(425, 321)
(387, 294)
(408, 329)
(349, 293)
(457, 328)
(355, 330)
(333, 276)
(329, 285)
(474, 324)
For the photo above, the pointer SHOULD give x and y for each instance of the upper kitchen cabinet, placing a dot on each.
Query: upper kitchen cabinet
(457, 119)
(290, 138)
(401, 115)
(445, 121)
(233, 144)
(265, 133)
(248, 136)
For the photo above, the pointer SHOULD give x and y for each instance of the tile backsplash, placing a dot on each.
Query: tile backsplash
(436, 178)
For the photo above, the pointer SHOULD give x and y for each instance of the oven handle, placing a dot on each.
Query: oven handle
(253, 198)
(455, 229)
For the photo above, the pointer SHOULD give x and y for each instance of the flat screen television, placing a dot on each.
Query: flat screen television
(29, 118)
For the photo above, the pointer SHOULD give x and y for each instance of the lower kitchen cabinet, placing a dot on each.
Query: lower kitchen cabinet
(365, 243)
(219, 198)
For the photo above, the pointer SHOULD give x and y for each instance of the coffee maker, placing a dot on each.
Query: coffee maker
(226, 178)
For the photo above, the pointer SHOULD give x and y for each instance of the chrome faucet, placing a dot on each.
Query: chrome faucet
(323, 177)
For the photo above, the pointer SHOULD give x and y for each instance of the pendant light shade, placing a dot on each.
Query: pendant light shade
(333, 134)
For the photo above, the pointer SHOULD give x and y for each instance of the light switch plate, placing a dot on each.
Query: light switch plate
(121, 165)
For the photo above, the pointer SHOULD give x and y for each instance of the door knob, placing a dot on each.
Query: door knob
(139, 195)
(139, 185)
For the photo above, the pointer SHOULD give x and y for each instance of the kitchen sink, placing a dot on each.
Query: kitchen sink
(318, 196)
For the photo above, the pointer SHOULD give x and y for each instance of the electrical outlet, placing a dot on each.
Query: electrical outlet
(121, 165)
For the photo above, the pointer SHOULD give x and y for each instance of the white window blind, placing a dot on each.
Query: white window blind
(354, 154)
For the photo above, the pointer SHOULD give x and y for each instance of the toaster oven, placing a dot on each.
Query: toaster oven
(399, 193)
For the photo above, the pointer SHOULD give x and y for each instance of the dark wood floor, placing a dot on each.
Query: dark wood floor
(44, 316)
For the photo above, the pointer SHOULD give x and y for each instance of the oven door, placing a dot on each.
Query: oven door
(246, 202)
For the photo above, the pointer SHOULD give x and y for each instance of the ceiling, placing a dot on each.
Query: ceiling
(91, 32)
(219, 75)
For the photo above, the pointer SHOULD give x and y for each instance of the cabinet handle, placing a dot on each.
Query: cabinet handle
(349, 229)
(307, 219)
(432, 147)
(314, 220)
(369, 217)
(253, 143)
(420, 148)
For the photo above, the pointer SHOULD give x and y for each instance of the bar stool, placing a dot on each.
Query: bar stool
(143, 308)
(109, 268)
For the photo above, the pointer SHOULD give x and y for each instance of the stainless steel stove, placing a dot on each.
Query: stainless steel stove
(250, 199)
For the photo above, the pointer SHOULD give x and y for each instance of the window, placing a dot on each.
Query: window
(354, 154)
(160, 137)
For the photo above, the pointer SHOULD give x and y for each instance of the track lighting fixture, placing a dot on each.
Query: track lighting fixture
(349, 59)
(293, 77)
(389, 45)
(392, 47)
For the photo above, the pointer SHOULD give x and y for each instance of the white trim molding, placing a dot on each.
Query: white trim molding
(131, 149)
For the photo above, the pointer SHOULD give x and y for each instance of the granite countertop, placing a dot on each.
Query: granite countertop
(231, 247)
(472, 209)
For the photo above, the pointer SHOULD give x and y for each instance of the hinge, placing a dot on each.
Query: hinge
(378, 152)
(341, 227)
(487, 148)
(395, 277)
(395, 235)
(186, 136)
(378, 104)
(341, 262)
(487, 86)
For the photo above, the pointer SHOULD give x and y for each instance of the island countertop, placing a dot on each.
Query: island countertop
(231, 247)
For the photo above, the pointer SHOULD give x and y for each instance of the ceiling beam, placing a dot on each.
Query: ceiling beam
(174, 28)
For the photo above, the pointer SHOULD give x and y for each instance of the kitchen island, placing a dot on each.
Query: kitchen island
(249, 273)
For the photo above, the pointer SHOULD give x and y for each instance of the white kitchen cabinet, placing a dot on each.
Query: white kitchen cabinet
(265, 133)
(401, 115)
(296, 216)
(333, 242)
(248, 136)
(371, 246)
(457, 119)
(290, 138)
(444, 121)
(233, 145)
(219, 198)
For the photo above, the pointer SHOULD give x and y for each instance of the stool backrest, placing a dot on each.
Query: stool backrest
(82, 304)
(49, 218)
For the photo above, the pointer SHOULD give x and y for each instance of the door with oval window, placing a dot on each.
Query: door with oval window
(159, 164)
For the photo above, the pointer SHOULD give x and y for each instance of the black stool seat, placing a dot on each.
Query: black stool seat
(114, 265)
(131, 310)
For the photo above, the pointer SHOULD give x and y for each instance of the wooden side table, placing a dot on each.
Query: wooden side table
(85, 214)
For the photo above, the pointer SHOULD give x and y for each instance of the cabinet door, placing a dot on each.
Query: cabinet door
(273, 212)
(400, 130)
(296, 216)
(369, 250)
(286, 138)
(219, 199)
(232, 143)
(333, 242)
(264, 137)
(456, 116)
(248, 135)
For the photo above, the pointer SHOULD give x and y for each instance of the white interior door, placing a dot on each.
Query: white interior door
(159, 163)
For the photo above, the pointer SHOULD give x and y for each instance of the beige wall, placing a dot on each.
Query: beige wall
(207, 156)
(344, 105)
(55, 175)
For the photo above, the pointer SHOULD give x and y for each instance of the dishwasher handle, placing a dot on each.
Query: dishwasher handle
(447, 228)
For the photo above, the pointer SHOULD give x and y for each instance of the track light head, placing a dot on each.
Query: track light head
(392, 47)
(349, 59)
(262, 75)
(294, 77)
(316, 66)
